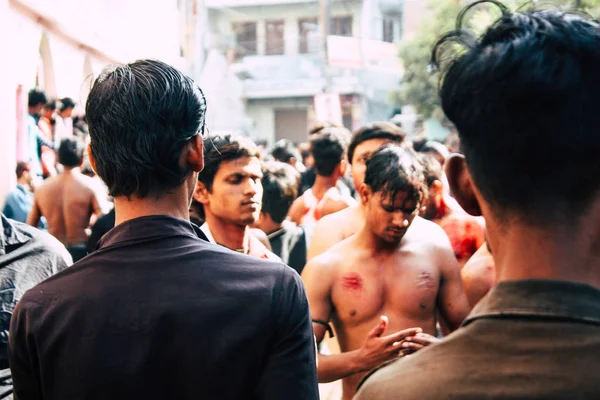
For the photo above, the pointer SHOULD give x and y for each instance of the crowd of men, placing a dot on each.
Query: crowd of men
(222, 266)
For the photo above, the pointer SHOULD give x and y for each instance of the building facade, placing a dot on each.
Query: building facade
(277, 51)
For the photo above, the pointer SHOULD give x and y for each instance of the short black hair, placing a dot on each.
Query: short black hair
(432, 170)
(65, 103)
(376, 130)
(322, 126)
(524, 99)
(70, 152)
(219, 148)
(431, 146)
(22, 167)
(394, 169)
(140, 117)
(328, 148)
(284, 150)
(280, 188)
(36, 98)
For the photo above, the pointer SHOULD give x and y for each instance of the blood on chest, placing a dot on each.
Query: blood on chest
(358, 296)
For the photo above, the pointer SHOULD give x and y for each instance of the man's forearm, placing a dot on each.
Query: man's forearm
(338, 366)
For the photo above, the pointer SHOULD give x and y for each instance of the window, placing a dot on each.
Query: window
(341, 26)
(388, 30)
(275, 42)
(308, 33)
(245, 38)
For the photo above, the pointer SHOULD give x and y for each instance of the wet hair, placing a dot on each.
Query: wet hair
(70, 152)
(22, 167)
(140, 116)
(219, 148)
(524, 99)
(280, 188)
(328, 148)
(65, 103)
(35, 98)
(432, 170)
(376, 130)
(284, 150)
(394, 169)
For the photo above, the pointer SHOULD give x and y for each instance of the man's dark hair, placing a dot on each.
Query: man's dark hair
(431, 146)
(70, 152)
(140, 116)
(36, 98)
(22, 167)
(376, 130)
(432, 170)
(328, 149)
(65, 103)
(280, 188)
(524, 99)
(284, 150)
(394, 169)
(321, 126)
(219, 148)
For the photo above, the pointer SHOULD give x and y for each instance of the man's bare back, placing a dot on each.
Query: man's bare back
(68, 201)
(479, 275)
(311, 207)
(353, 286)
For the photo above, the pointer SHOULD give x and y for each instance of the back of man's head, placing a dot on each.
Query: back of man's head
(70, 152)
(432, 169)
(524, 99)
(140, 117)
(36, 98)
(220, 148)
(376, 130)
(22, 167)
(284, 151)
(280, 188)
(392, 170)
(328, 149)
(66, 103)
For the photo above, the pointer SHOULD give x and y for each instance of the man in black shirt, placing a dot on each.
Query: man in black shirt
(156, 312)
(27, 257)
(280, 188)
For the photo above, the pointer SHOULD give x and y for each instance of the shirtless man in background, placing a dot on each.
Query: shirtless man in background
(393, 276)
(466, 232)
(328, 148)
(336, 227)
(68, 201)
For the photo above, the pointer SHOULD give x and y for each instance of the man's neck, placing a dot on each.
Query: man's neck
(173, 205)
(268, 226)
(567, 253)
(72, 170)
(323, 184)
(234, 237)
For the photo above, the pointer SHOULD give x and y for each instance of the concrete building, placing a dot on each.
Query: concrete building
(59, 46)
(275, 47)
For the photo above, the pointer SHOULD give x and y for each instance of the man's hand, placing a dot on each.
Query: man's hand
(378, 349)
(417, 342)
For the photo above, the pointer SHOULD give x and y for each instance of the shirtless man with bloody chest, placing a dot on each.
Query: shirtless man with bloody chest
(382, 287)
(338, 226)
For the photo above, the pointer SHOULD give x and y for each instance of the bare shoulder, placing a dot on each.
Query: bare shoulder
(428, 233)
(328, 262)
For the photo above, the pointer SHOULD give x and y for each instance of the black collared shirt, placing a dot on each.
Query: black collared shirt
(27, 257)
(158, 313)
(530, 339)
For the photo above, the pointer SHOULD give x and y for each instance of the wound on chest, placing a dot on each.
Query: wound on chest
(352, 281)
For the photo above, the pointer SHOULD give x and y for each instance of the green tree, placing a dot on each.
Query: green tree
(419, 86)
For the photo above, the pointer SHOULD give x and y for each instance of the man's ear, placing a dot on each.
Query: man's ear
(343, 166)
(365, 193)
(437, 187)
(195, 154)
(201, 193)
(91, 158)
(462, 185)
